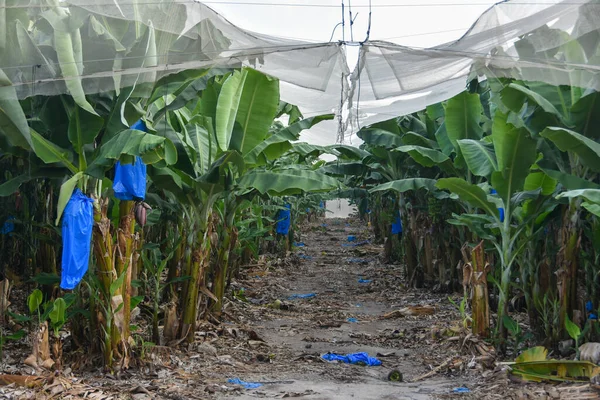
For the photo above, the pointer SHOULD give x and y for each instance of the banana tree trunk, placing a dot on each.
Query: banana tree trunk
(125, 265)
(570, 242)
(199, 261)
(221, 270)
(105, 256)
(173, 267)
(479, 301)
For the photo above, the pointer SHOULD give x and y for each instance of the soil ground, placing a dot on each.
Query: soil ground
(269, 337)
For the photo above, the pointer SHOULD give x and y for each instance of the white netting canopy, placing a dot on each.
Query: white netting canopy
(84, 46)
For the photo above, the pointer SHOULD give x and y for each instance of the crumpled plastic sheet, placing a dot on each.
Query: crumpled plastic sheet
(302, 296)
(361, 280)
(352, 320)
(356, 244)
(305, 257)
(299, 244)
(355, 358)
(351, 238)
(246, 385)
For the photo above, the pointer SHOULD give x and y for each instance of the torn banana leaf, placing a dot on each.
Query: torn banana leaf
(532, 366)
(556, 370)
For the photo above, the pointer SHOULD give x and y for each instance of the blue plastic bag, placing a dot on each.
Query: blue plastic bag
(283, 220)
(77, 223)
(356, 358)
(8, 227)
(130, 179)
(500, 210)
(397, 225)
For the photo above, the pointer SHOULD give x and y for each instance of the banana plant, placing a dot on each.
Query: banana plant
(562, 120)
(224, 141)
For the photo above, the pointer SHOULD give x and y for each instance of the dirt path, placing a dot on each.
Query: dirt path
(352, 291)
(267, 336)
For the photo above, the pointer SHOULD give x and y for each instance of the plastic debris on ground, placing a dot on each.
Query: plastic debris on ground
(355, 358)
(352, 320)
(361, 280)
(324, 225)
(355, 244)
(246, 385)
(304, 257)
(302, 296)
(461, 390)
(299, 244)
(351, 238)
(77, 224)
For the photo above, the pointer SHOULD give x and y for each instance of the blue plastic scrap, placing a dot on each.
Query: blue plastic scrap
(8, 226)
(355, 358)
(130, 179)
(351, 238)
(283, 220)
(361, 280)
(352, 320)
(77, 223)
(461, 390)
(301, 296)
(246, 385)
(305, 257)
(299, 244)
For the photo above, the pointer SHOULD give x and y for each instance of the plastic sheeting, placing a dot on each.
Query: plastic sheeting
(556, 42)
(112, 44)
(77, 224)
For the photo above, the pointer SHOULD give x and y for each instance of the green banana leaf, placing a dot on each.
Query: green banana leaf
(479, 156)
(288, 181)
(379, 137)
(472, 194)
(405, 185)
(463, 117)
(515, 152)
(566, 140)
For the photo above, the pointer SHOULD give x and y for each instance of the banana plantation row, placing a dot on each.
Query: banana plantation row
(185, 186)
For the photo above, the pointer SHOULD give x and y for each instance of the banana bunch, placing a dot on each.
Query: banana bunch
(141, 211)
(434, 206)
